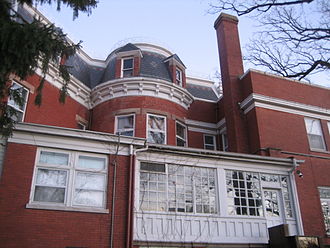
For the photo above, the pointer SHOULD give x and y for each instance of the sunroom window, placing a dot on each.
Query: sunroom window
(156, 129)
(69, 179)
(314, 134)
(177, 188)
(243, 193)
(125, 125)
(325, 203)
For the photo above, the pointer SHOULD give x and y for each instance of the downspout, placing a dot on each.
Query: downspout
(114, 192)
(295, 195)
(131, 188)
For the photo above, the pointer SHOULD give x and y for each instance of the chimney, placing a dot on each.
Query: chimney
(231, 69)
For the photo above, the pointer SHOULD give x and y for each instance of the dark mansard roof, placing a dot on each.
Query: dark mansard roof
(152, 65)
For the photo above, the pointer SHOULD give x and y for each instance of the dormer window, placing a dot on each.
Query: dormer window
(178, 76)
(127, 67)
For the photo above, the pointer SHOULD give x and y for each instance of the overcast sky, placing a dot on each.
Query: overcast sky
(182, 26)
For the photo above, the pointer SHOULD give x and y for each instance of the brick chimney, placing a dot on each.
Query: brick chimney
(231, 68)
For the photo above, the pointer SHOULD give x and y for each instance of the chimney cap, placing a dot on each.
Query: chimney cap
(225, 17)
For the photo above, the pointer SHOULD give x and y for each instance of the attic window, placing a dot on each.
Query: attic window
(127, 67)
(178, 76)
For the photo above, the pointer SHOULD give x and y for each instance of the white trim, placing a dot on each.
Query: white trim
(71, 139)
(329, 127)
(221, 124)
(157, 130)
(201, 124)
(267, 102)
(202, 130)
(141, 86)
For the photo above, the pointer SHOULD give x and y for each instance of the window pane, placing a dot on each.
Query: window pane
(124, 122)
(156, 123)
(180, 131)
(51, 177)
(88, 198)
(49, 194)
(54, 158)
(209, 140)
(20, 91)
(313, 126)
(316, 141)
(90, 181)
(152, 167)
(128, 64)
(91, 162)
(180, 142)
(155, 137)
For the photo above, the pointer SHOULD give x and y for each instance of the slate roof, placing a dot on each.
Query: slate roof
(153, 65)
(203, 92)
(176, 57)
(127, 47)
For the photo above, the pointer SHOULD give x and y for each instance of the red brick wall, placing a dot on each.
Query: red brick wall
(203, 111)
(290, 90)
(52, 112)
(21, 227)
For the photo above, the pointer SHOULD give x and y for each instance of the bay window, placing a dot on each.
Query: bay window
(156, 129)
(69, 179)
(177, 188)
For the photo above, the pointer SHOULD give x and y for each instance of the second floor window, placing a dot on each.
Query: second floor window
(127, 67)
(209, 142)
(314, 134)
(125, 125)
(181, 135)
(156, 129)
(19, 91)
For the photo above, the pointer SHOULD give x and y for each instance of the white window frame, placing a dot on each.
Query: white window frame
(325, 205)
(22, 111)
(214, 142)
(329, 127)
(184, 139)
(224, 140)
(178, 76)
(127, 69)
(125, 129)
(72, 169)
(319, 135)
(157, 130)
